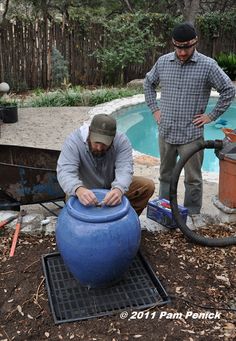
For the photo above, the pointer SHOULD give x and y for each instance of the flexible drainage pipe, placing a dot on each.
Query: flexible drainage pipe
(217, 144)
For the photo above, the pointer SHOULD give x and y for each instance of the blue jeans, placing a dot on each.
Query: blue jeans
(192, 173)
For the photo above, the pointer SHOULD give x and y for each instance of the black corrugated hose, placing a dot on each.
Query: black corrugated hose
(194, 237)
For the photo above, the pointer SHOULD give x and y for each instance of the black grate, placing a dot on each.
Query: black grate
(69, 301)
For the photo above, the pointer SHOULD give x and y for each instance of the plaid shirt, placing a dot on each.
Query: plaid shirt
(185, 91)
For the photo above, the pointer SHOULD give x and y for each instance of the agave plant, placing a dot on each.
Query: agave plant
(227, 61)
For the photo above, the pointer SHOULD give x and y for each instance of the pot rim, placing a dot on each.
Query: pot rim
(94, 214)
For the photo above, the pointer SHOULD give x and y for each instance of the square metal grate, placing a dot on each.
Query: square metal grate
(69, 301)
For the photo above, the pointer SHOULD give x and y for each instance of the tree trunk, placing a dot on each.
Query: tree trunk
(1, 59)
(190, 11)
(4, 10)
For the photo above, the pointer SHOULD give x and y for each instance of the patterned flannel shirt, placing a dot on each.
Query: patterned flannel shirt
(185, 91)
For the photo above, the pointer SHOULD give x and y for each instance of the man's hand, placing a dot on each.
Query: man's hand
(113, 197)
(157, 116)
(201, 119)
(85, 196)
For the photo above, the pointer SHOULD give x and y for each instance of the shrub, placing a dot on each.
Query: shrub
(127, 39)
(227, 61)
(60, 72)
(77, 96)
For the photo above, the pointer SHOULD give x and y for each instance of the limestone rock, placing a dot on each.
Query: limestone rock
(135, 83)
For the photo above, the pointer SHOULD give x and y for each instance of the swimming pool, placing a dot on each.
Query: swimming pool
(140, 127)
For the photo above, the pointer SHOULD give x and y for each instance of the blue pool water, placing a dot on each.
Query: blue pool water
(140, 127)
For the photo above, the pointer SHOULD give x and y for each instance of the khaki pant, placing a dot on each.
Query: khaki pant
(140, 191)
(192, 173)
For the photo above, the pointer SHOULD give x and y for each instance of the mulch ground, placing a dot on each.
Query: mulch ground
(200, 281)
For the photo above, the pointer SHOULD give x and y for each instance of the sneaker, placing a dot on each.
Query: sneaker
(198, 220)
(189, 223)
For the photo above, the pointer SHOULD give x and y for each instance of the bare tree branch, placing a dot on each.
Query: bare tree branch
(5, 10)
(127, 3)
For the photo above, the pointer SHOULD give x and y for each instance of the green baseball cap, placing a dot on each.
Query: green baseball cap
(102, 129)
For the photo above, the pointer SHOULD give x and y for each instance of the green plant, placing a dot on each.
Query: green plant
(127, 38)
(58, 98)
(107, 95)
(8, 102)
(60, 73)
(77, 97)
(227, 61)
(38, 91)
(213, 23)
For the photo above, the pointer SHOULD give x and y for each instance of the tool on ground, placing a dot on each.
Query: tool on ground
(8, 220)
(17, 231)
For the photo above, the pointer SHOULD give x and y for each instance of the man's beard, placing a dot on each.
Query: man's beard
(96, 153)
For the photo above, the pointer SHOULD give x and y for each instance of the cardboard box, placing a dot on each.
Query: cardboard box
(159, 210)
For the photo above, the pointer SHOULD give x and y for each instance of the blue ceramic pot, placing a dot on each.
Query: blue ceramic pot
(98, 244)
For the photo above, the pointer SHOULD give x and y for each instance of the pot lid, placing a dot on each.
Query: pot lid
(96, 214)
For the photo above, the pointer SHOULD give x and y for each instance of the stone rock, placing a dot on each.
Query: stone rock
(135, 83)
(147, 160)
(50, 227)
(32, 224)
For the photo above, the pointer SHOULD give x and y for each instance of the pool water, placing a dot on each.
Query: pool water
(139, 125)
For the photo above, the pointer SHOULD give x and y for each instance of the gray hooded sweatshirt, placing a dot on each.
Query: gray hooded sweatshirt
(77, 166)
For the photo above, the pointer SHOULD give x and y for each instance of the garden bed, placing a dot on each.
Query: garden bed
(195, 277)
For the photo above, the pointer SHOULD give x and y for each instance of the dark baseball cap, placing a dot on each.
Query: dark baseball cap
(184, 32)
(102, 129)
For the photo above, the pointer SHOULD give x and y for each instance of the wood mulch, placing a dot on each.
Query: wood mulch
(200, 280)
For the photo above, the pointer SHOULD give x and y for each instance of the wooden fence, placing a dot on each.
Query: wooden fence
(26, 47)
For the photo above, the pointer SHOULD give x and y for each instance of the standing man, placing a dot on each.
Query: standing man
(97, 156)
(186, 78)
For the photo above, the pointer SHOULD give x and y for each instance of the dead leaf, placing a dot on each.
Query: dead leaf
(20, 310)
(223, 278)
(188, 331)
(229, 326)
(178, 289)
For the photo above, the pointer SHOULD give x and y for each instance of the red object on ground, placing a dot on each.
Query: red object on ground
(17, 231)
(8, 220)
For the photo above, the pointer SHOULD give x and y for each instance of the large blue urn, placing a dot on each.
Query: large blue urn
(98, 244)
